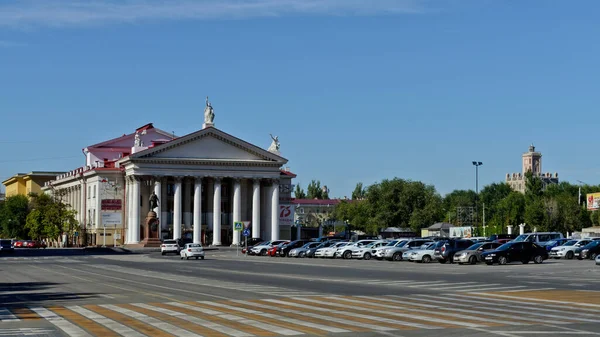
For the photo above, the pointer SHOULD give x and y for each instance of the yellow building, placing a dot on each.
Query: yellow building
(25, 183)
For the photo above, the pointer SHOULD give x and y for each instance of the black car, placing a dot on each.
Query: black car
(516, 251)
(445, 252)
(589, 251)
(495, 237)
(251, 241)
(283, 250)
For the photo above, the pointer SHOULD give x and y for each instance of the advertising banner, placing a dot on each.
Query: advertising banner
(461, 232)
(286, 215)
(111, 204)
(593, 201)
(111, 219)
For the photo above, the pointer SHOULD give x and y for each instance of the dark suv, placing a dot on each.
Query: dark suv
(516, 251)
(445, 252)
(589, 251)
(283, 250)
(495, 237)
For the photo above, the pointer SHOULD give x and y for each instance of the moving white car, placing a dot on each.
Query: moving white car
(264, 247)
(169, 246)
(192, 250)
(567, 250)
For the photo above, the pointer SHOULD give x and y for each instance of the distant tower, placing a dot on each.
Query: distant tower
(532, 161)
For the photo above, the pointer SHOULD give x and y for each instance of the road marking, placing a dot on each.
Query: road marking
(7, 316)
(69, 328)
(539, 300)
(89, 325)
(107, 322)
(128, 321)
(195, 320)
(26, 332)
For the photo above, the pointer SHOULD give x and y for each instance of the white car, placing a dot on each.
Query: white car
(423, 255)
(192, 250)
(568, 249)
(264, 247)
(330, 251)
(366, 252)
(169, 246)
(380, 252)
(345, 252)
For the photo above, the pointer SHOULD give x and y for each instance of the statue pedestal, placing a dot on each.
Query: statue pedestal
(151, 231)
(208, 125)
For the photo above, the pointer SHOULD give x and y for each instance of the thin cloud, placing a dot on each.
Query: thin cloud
(10, 44)
(27, 13)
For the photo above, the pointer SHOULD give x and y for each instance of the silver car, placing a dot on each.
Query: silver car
(472, 255)
(395, 253)
(301, 251)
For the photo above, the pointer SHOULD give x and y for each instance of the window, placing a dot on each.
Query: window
(94, 193)
(89, 192)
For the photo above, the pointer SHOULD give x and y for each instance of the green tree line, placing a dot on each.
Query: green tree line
(36, 217)
(404, 203)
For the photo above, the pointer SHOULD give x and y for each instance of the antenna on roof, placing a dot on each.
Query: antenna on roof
(173, 132)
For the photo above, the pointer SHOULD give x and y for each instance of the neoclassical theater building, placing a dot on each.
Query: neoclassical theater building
(204, 183)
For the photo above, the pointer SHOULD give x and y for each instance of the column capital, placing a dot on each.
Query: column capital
(217, 179)
(256, 180)
(275, 181)
(178, 179)
(198, 179)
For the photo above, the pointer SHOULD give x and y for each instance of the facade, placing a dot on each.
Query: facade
(531, 161)
(204, 182)
(25, 183)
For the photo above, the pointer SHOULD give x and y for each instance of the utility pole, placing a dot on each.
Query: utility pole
(477, 164)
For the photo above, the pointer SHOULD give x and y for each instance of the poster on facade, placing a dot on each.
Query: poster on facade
(461, 232)
(111, 219)
(111, 204)
(593, 201)
(286, 215)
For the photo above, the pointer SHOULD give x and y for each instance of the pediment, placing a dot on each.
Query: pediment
(209, 144)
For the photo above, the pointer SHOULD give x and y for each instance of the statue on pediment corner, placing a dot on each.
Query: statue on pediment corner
(209, 114)
(274, 148)
(137, 141)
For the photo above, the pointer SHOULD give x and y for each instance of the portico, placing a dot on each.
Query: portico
(205, 181)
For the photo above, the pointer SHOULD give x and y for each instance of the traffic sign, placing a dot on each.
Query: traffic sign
(246, 224)
(246, 232)
(76, 233)
(238, 226)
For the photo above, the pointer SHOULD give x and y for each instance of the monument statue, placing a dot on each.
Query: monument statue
(137, 141)
(209, 114)
(274, 144)
(153, 201)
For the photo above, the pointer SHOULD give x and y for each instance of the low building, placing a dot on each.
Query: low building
(26, 183)
(531, 161)
(150, 185)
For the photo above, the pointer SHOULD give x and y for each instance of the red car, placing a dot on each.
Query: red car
(19, 244)
(273, 250)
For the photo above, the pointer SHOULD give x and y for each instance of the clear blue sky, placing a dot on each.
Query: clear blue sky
(356, 90)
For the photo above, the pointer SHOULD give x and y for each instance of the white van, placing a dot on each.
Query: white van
(538, 238)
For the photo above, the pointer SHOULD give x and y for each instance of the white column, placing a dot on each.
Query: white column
(135, 214)
(275, 210)
(177, 209)
(237, 209)
(522, 229)
(198, 210)
(217, 213)
(509, 229)
(129, 195)
(256, 209)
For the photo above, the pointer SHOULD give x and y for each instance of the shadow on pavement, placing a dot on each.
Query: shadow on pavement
(25, 294)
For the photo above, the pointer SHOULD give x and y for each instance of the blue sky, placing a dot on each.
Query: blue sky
(356, 90)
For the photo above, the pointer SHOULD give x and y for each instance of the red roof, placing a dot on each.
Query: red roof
(287, 173)
(316, 201)
(107, 143)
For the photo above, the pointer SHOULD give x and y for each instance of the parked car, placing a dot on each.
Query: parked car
(508, 237)
(345, 252)
(538, 238)
(331, 250)
(598, 260)
(446, 252)
(395, 253)
(472, 254)
(192, 250)
(589, 251)
(516, 251)
(567, 250)
(6, 246)
(380, 252)
(251, 241)
(366, 252)
(301, 251)
(284, 249)
(424, 255)
(263, 247)
(503, 241)
(311, 251)
(169, 246)
(273, 250)
(554, 243)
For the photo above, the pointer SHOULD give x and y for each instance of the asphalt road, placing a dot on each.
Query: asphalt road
(75, 293)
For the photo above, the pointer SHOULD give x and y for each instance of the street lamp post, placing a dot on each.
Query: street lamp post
(477, 164)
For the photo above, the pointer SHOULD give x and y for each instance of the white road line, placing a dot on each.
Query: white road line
(26, 332)
(474, 290)
(534, 289)
(239, 319)
(353, 314)
(427, 318)
(117, 327)
(193, 319)
(170, 328)
(284, 319)
(7, 316)
(541, 300)
(469, 285)
(318, 316)
(69, 328)
(550, 332)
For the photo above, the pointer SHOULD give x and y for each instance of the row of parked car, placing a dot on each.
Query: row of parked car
(500, 249)
(9, 245)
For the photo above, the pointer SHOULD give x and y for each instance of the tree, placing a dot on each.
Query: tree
(534, 187)
(13, 215)
(457, 198)
(299, 192)
(510, 211)
(359, 192)
(314, 190)
(49, 217)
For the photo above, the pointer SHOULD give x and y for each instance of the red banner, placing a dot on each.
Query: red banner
(111, 204)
